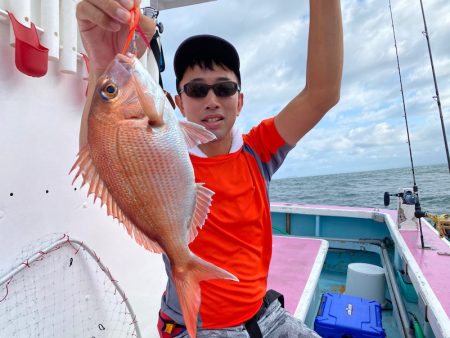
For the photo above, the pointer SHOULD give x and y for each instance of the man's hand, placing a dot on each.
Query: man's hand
(104, 27)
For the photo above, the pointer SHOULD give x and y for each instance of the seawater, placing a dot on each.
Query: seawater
(366, 189)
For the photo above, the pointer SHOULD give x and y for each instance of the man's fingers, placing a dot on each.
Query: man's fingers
(108, 14)
(148, 26)
(137, 3)
(89, 16)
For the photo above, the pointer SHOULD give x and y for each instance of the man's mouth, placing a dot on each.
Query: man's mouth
(213, 122)
(212, 119)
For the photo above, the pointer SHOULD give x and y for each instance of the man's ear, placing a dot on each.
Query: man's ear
(240, 103)
(179, 103)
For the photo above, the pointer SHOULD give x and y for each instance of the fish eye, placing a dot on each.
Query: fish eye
(109, 90)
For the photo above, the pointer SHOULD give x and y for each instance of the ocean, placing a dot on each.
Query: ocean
(366, 189)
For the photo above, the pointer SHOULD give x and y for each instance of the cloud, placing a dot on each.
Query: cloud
(366, 130)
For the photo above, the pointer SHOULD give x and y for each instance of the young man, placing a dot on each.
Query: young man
(237, 235)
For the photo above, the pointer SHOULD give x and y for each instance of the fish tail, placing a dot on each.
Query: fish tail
(187, 281)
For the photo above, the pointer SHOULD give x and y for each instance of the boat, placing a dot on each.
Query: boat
(416, 289)
(67, 270)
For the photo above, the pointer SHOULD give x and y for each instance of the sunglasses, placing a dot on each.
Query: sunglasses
(221, 89)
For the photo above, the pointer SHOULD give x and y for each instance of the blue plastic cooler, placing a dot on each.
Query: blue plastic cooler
(348, 316)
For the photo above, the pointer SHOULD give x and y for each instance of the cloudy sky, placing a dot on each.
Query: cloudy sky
(366, 130)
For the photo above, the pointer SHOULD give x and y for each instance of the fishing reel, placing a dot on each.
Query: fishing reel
(408, 197)
(410, 213)
(408, 207)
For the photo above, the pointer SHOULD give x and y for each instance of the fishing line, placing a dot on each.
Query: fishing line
(134, 21)
(438, 100)
(403, 96)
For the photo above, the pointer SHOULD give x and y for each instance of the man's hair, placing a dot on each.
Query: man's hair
(205, 51)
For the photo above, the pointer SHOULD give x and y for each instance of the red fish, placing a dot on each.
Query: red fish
(136, 161)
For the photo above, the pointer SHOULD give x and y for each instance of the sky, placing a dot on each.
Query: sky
(366, 130)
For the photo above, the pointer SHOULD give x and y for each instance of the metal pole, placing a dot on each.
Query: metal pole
(425, 32)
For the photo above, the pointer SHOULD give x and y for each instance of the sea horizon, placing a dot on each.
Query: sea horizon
(367, 188)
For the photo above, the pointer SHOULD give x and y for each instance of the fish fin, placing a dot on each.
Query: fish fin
(195, 134)
(140, 237)
(83, 157)
(88, 171)
(97, 186)
(85, 166)
(143, 240)
(202, 204)
(187, 281)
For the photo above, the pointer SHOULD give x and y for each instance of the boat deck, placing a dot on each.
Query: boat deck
(428, 269)
(295, 270)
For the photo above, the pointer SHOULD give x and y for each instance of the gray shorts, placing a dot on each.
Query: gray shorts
(276, 322)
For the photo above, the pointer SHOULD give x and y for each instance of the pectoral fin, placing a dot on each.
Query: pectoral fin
(202, 204)
(195, 134)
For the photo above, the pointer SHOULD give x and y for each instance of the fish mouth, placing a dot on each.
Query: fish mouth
(120, 69)
(126, 61)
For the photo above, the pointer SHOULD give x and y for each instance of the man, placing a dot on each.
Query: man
(237, 234)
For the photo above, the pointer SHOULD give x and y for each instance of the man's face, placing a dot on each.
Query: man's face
(217, 114)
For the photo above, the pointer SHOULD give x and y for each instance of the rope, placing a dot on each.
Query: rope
(134, 21)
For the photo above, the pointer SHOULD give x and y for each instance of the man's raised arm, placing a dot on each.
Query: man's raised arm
(323, 73)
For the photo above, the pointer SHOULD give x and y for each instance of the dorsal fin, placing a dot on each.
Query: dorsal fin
(195, 134)
(202, 204)
(97, 186)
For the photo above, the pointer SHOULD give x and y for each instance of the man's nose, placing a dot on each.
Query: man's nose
(211, 100)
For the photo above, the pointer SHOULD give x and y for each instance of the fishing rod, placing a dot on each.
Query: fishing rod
(438, 100)
(407, 198)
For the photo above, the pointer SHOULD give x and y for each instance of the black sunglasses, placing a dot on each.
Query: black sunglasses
(221, 89)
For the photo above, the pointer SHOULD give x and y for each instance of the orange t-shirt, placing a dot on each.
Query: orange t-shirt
(237, 235)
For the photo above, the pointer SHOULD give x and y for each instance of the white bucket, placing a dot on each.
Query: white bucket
(366, 281)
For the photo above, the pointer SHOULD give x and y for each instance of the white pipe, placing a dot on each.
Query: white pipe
(50, 25)
(83, 67)
(35, 8)
(22, 11)
(68, 31)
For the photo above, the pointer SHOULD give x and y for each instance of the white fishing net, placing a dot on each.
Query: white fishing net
(58, 287)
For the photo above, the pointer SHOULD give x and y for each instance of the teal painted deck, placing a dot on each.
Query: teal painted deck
(329, 226)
